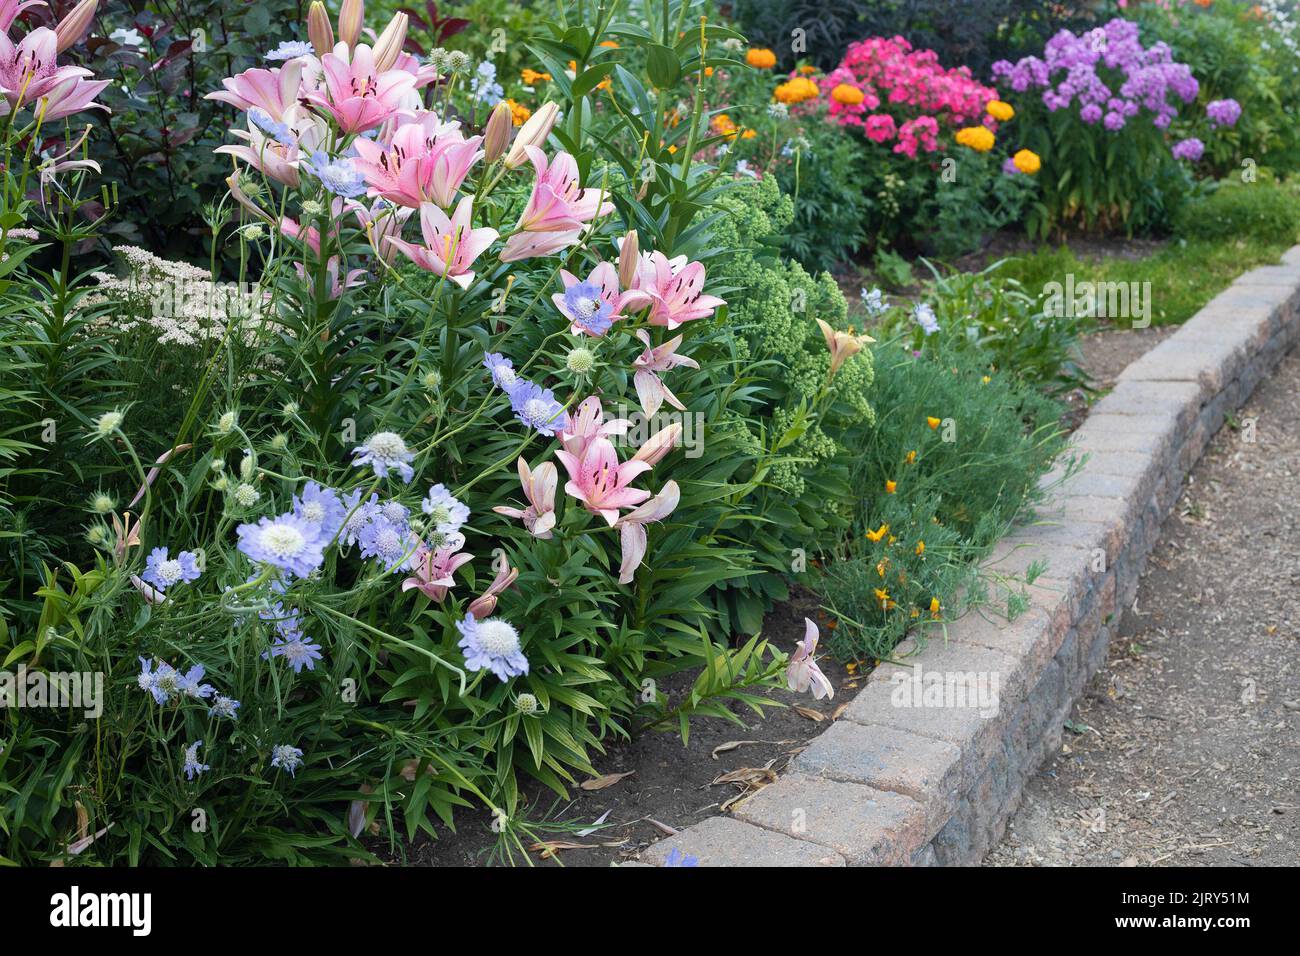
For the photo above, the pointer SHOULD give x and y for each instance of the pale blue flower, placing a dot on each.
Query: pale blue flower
(291, 50)
(446, 513)
(492, 644)
(537, 408)
(338, 176)
(384, 451)
(287, 541)
(286, 757)
(162, 571)
(192, 766)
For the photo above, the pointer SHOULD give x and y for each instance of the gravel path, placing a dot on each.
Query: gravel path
(1186, 747)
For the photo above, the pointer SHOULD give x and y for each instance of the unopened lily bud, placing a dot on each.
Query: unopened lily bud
(496, 135)
(319, 31)
(73, 27)
(350, 16)
(628, 255)
(390, 42)
(532, 133)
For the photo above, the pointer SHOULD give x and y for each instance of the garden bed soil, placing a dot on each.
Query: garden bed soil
(670, 785)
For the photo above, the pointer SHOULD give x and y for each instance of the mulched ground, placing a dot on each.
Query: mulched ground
(1186, 747)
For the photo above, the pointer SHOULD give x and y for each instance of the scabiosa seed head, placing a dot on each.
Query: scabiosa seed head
(432, 380)
(227, 422)
(580, 361)
(246, 495)
(526, 704)
(279, 441)
(246, 467)
(457, 61)
(253, 232)
(289, 409)
(102, 503)
(222, 483)
(97, 536)
(108, 423)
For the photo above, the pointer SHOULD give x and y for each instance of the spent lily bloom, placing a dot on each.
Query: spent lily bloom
(273, 91)
(676, 289)
(450, 245)
(357, 95)
(600, 482)
(152, 476)
(842, 345)
(425, 161)
(655, 359)
(593, 306)
(539, 488)
(802, 673)
(125, 535)
(632, 536)
(50, 168)
(483, 605)
(380, 221)
(587, 424)
(433, 570)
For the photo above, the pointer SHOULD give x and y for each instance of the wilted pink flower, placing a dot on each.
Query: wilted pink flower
(150, 594)
(632, 535)
(432, 570)
(450, 245)
(539, 489)
(381, 221)
(600, 482)
(356, 94)
(426, 161)
(802, 673)
(649, 388)
(483, 605)
(676, 288)
(604, 278)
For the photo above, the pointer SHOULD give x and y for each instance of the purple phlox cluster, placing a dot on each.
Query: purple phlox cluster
(1068, 73)
(1190, 149)
(162, 571)
(1223, 112)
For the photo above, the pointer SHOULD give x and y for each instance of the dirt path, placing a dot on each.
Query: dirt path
(1186, 748)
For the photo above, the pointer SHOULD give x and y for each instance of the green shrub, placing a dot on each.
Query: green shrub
(1260, 210)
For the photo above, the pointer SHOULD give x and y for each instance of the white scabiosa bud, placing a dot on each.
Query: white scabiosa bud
(580, 361)
(108, 423)
(246, 495)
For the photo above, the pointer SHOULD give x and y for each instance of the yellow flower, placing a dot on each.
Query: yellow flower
(708, 71)
(920, 548)
(911, 457)
(934, 605)
(761, 58)
(724, 126)
(847, 95)
(609, 44)
(886, 602)
(1000, 111)
(978, 138)
(748, 134)
(1027, 161)
(878, 533)
(986, 379)
(933, 423)
(807, 69)
(796, 91)
(533, 77)
(891, 487)
(518, 112)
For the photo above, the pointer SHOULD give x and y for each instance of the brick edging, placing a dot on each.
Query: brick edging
(935, 785)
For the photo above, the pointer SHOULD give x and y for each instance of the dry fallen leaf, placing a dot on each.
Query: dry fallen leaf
(731, 745)
(662, 827)
(608, 780)
(809, 713)
(839, 711)
(550, 848)
(588, 831)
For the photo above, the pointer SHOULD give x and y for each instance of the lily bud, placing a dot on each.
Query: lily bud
(629, 254)
(496, 135)
(73, 27)
(350, 16)
(319, 31)
(390, 42)
(533, 133)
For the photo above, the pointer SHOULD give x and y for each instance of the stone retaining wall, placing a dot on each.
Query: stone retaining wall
(902, 785)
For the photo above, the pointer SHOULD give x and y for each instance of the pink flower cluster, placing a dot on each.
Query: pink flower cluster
(907, 94)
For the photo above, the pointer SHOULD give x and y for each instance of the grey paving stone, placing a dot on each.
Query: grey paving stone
(724, 841)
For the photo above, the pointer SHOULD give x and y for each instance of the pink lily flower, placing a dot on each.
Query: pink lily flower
(72, 95)
(600, 482)
(483, 605)
(659, 444)
(450, 245)
(9, 10)
(802, 673)
(434, 570)
(539, 489)
(605, 278)
(274, 90)
(380, 222)
(676, 287)
(531, 245)
(558, 203)
(632, 535)
(420, 164)
(587, 424)
(649, 387)
(357, 95)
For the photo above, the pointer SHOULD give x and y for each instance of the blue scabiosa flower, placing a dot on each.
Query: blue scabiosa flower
(223, 706)
(357, 515)
(296, 648)
(192, 766)
(492, 644)
(291, 50)
(484, 86)
(286, 757)
(162, 571)
(272, 127)
(384, 451)
(190, 683)
(924, 316)
(589, 310)
(392, 545)
(395, 513)
(163, 682)
(537, 408)
(874, 302)
(446, 513)
(337, 175)
(502, 369)
(286, 541)
(321, 507)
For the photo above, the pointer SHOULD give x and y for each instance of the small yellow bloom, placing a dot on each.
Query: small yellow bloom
(807, 69)
(533, 77)
(920, 548)
(978, 138)
(671, 150)
(886, 602)
(519, 113)
(847, 95)
(934, 605)
(724, 126)
(878, 533)
(1027, 161)
(933, 423)
(708, 71)
(609, 44)
(891, 487)
(986, 379)
(1000, 111)
(911, 457)
(761, 58)
(748, 134)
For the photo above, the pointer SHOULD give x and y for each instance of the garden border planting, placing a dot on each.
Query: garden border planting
(889, 784)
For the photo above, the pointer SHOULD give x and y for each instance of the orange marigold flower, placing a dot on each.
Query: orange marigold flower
(978, 138)
(847, 95)
(533, 77)
(760, 57)
(796, 91)
(807, 69)
(1000, 111)
(1027, 161)
(518, 112)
